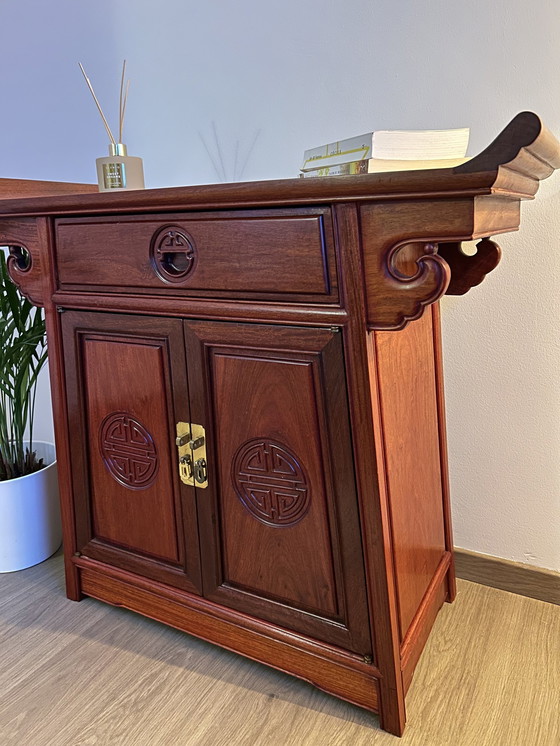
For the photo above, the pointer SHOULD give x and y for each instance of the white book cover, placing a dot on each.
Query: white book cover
(392, 145)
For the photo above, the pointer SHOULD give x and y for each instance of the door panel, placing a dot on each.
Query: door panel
(269, 498)
(127, 374)
(279, 523)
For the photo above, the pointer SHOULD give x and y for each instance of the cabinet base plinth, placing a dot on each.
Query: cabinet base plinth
(334, 671)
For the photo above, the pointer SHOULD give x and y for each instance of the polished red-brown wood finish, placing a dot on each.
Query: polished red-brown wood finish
(281, 480)
(408, 409)
(126, 387)
(290, 252)
(297, 323)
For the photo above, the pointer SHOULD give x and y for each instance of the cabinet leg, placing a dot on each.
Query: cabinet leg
(392, 713)
(436, 326)
(73, 590)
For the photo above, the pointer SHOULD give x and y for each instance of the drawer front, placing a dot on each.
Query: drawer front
(264, 254)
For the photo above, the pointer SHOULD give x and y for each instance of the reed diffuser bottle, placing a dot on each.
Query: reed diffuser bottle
(118, 171)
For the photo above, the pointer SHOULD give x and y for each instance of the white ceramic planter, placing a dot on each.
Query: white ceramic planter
(30, 528)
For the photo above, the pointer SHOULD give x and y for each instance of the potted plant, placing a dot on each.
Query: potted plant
(30, 528)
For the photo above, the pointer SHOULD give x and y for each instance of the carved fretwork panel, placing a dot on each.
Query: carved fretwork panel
(27, 240)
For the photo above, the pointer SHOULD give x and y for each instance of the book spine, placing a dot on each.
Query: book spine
(343, 151)
(342, 169)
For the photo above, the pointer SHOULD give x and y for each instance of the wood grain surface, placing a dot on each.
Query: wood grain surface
(281, 391)
(90, 674)
(370, 477)
(405, 368)
(9, 188)
(132, 510)
(26, 262)
(286, 254)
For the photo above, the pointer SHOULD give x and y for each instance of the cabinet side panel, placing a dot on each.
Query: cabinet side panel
(406, 373)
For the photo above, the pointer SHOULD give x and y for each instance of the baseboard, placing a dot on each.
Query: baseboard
(525, 580)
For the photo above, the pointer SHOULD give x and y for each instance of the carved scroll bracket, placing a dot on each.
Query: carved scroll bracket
(411, 275)
(469, 270)
(20, 267)
(25, 262)
(417, 273)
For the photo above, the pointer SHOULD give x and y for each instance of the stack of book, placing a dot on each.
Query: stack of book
(388, 150)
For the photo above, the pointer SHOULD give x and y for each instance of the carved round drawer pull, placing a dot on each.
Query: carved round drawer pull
(175, 263)
(173, 254)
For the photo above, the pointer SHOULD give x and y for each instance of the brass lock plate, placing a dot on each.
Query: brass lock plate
(191, 445)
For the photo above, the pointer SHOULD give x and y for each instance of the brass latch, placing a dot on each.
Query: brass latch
(191, 444)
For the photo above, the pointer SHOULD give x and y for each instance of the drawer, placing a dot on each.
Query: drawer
(260, 254)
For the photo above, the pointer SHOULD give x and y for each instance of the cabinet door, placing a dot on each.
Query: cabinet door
(279, 526)
(126, 388)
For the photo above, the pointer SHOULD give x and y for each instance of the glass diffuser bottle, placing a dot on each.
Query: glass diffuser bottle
(117, 171)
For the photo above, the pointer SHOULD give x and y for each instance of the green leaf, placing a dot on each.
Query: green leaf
(23, 354)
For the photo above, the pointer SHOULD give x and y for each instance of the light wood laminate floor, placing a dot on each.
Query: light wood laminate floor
(73, 674)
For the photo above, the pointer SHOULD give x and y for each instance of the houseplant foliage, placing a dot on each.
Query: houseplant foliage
(23, 353)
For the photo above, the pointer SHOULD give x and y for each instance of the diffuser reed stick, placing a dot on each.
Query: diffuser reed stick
(105, 122)
(122, 100)
(119, 171)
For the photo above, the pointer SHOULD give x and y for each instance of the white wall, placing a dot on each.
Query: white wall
(299, 73)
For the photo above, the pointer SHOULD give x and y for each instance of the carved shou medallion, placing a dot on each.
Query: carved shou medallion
(128, 451)
(173, 254)
(271, 482)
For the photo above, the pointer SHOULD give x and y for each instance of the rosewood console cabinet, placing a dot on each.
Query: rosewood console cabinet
(248, 400)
